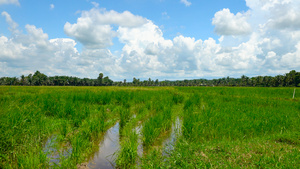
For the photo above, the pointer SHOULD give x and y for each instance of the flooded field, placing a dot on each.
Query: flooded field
(169, 143)
(151, 127)
(55, 153)
(105, 157)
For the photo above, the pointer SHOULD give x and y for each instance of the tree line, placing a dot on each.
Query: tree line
(291, 79)
(40, 79)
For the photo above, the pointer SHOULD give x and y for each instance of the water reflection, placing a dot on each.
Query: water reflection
(168, 144)
(105, 158)
(54, 154)
(140, 149)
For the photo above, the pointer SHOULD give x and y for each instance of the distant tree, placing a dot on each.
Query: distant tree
(156, 82)
(100, 79)
(107, 81)
(134, 81)
(39, 78)
(23, 80)
(244, 80)
(297, 79)
(289, 79)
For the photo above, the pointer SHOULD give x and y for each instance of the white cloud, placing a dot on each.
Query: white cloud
(270, 46)
(94, 29)
(226, 23)
(91, 36)
(292, 59)
(52, 6)
(147, 53)
(15, 2)
(266, 5)
(285, 16)
(96, 5)
(263, 50)
(12, 25)
(26, 53)
(186, 2)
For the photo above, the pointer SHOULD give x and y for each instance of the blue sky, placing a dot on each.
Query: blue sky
(172, 15)
(160, 39)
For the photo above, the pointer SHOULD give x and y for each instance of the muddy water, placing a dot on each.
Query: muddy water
(168, 144)
(105, 158)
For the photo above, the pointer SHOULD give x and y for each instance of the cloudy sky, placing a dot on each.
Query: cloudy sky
(160, 39)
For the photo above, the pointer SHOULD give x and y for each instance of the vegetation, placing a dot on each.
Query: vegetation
(291, 79)
(40, 79)
(222, 127)
(155, 125)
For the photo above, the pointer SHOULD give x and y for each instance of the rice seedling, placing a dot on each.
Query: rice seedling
(222, 127)
(124, 117)
(128, 154)
(155, 125)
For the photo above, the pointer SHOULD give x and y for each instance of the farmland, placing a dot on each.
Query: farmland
(153, 127)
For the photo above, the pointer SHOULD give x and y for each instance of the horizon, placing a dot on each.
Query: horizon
(157, 39)
(146, 79)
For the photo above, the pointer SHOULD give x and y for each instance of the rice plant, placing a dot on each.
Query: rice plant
(222, 127)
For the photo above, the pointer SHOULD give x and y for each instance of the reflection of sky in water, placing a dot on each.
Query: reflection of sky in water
(140, 142)
(53, 154)
(168, 144)
(105, 157)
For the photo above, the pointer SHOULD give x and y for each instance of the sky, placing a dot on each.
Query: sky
(157, 39)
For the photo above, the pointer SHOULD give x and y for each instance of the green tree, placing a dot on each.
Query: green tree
(39, 78)
(107, 81)
(100, 79)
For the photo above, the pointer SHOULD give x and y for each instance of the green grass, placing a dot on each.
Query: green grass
(127, 155)
(156, 125)
(222, 127)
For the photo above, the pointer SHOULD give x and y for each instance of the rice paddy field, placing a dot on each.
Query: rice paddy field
(149, 127)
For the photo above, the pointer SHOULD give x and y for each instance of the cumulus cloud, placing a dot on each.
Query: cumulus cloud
(284, 16)
(15, 2)
(94, 29)
(26, 53)
(270, 46)
(186, 2)
(265, 49)
(142, 44)
(292, 59)
(226, 23)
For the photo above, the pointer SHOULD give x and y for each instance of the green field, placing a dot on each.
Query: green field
(217, 127)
